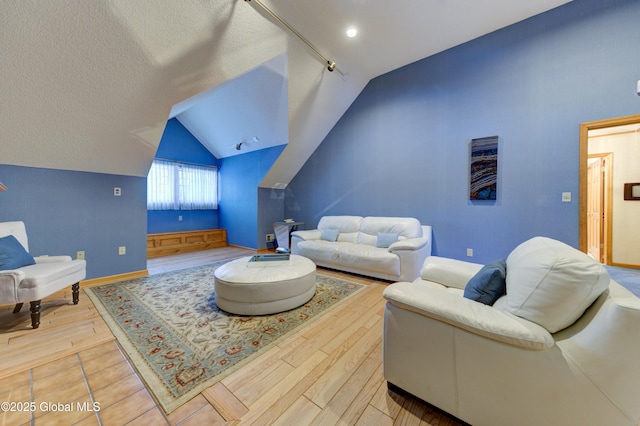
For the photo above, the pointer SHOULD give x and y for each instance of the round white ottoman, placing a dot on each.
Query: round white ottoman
(263, 290)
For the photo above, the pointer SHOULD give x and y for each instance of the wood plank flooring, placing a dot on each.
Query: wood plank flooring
(329, 373)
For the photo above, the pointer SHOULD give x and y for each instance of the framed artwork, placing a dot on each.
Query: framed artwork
(632, 191)
(484, 169)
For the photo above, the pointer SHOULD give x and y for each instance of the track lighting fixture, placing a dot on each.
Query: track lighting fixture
(331, 65)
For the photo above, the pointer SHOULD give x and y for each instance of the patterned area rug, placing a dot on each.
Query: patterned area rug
(178, 339)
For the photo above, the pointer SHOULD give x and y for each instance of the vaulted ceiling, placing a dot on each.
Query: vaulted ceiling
(89, 85)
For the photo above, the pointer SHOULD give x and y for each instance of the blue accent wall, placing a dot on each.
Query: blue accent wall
(239, 203)
(271, 209)
(69, 211)
(402, 149)
(178, 143)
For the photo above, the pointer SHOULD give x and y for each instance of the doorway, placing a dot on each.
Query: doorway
(612, 239)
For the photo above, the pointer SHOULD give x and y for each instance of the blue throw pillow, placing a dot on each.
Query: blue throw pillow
(13, 255)
(385, 239)
(329, 234)
(489, 284)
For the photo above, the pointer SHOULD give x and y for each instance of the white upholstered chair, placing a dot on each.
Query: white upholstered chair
(24, 278)
(560, 347)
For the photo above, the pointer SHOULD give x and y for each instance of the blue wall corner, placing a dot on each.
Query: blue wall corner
(271, 209)
(239, 202)
(179, 144)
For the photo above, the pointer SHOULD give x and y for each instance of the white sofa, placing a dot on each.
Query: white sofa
(562, 347)
(390, 248)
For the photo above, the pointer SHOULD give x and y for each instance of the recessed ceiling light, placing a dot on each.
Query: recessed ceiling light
(352, 32)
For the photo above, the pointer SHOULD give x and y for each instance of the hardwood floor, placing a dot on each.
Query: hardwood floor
(327, 373)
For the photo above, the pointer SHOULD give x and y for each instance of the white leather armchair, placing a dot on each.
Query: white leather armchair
(561, 347)
(33, 282)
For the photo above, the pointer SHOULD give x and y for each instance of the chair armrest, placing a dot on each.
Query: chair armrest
(306, 234)
(10, 277)
(52, 259)
(468, 315)
(449, 272)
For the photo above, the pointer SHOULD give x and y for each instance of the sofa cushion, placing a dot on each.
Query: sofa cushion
(551, 283)
(43, 274)
(489, 284)
(320, 251)
(404, 227)
(344, 224)
(385, 239)
(369, 258)
(329, 234)
(13, 255)
(348, 227)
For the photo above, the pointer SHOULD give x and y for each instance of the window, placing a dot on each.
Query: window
(178, 186)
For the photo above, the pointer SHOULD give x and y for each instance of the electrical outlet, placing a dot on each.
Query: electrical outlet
(469, 252)
(117, 191)
(566, 197)
(179, 218)
(80, 255)
(270, 238)
(122, 250)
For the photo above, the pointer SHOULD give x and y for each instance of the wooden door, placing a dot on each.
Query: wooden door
(595, 202)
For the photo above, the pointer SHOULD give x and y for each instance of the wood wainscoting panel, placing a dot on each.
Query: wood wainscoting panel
(168, 243)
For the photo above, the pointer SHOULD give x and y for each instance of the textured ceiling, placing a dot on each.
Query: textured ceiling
(89, 85)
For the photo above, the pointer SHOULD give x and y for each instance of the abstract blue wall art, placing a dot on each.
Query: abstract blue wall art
(484, 169)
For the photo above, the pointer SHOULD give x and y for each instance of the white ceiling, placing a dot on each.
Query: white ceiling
(255, 103)
(89, 86)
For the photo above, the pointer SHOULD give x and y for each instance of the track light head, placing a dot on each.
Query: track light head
(238, 146)
(331, 66)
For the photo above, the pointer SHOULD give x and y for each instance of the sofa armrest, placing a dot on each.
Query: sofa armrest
(468, 315)
(305, 235)
(414, 243)
(449, 272)
(9, 282)
(52, 259)
(409, 244)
